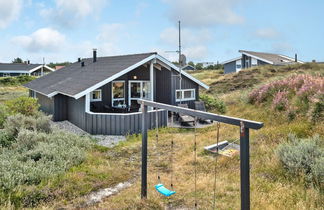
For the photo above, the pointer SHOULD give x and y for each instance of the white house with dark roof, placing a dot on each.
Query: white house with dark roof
(18, 69)
(99, 94)
(250, 58)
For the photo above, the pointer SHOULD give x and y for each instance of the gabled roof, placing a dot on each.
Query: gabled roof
(231, 60)
(21, 67)
(271, 58)
(76, 81)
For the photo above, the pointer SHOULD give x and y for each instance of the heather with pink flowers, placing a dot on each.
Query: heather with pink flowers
(280, 101)
(297, 93)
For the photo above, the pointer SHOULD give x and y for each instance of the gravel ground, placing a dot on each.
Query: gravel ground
(103, 140)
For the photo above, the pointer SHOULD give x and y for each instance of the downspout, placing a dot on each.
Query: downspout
(152, 80)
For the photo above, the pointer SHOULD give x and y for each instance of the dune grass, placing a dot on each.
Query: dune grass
(271, 186)
(255, 76)
(8, 93)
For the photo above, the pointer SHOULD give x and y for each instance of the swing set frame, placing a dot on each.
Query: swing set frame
(245, 126)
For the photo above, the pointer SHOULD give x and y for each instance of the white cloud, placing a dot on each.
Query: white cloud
(110, 37)
(204, 12)
(110, 32)
(9, 11)
(267, 33)
(44, 39)
(196, 52)
(68, 13)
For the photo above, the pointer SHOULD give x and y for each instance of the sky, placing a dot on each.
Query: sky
(212, 30)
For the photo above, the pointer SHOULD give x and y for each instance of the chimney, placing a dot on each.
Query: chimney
(94, 55)
(82, 64)
(79, 60)
(296, 60)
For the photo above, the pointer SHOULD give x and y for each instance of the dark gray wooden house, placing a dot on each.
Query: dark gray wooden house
(100, 94)
(249, 59)
(18, 69)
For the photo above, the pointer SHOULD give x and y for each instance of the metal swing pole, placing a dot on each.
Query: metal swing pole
(245, 167)
(144, 151)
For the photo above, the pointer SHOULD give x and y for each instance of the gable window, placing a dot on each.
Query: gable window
(185, 95)
(95, 95)
(118, 93)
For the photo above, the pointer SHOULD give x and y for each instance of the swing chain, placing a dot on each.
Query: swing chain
(171, 156)
(157, 142)
(195, 163)
(215, 168)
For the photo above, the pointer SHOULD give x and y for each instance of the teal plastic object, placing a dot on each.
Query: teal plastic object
(164, 191)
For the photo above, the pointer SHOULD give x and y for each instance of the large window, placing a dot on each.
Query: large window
(118, 93)
(138, 90)
(95, 95)
(185, 95)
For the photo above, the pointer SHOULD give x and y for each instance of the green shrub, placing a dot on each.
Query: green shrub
(303, 157)
(15, 123)
(24, 79)
(3, 114)
(23, 105)
(35, 157)
(316, 111)
(19, 80)
(8, 81)
(213, 104)
(5, 139)
(317, 169)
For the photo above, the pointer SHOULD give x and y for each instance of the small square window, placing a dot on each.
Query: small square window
(96, 95)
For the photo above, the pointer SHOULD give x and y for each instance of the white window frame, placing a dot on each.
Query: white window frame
(182, 95)
(98, 99)
(141, 85)
(112, 93)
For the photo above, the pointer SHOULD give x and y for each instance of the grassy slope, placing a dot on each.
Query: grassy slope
(244, 79)
(271, 186)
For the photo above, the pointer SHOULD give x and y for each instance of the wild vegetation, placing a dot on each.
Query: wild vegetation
(40, 164)
(297, 94)
(280, 176)
(15, 81)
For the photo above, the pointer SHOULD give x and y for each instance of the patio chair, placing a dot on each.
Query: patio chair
(183, 118)
(200, 105)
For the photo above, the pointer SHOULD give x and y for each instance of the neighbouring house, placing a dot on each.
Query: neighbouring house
(18, 69)
(250, 58)
(188, 67)
(99, 94)
(206, 64)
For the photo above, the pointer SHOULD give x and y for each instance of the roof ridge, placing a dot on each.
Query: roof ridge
(261, 52)
(148, 53)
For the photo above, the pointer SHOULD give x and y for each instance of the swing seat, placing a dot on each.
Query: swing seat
(164, 191)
